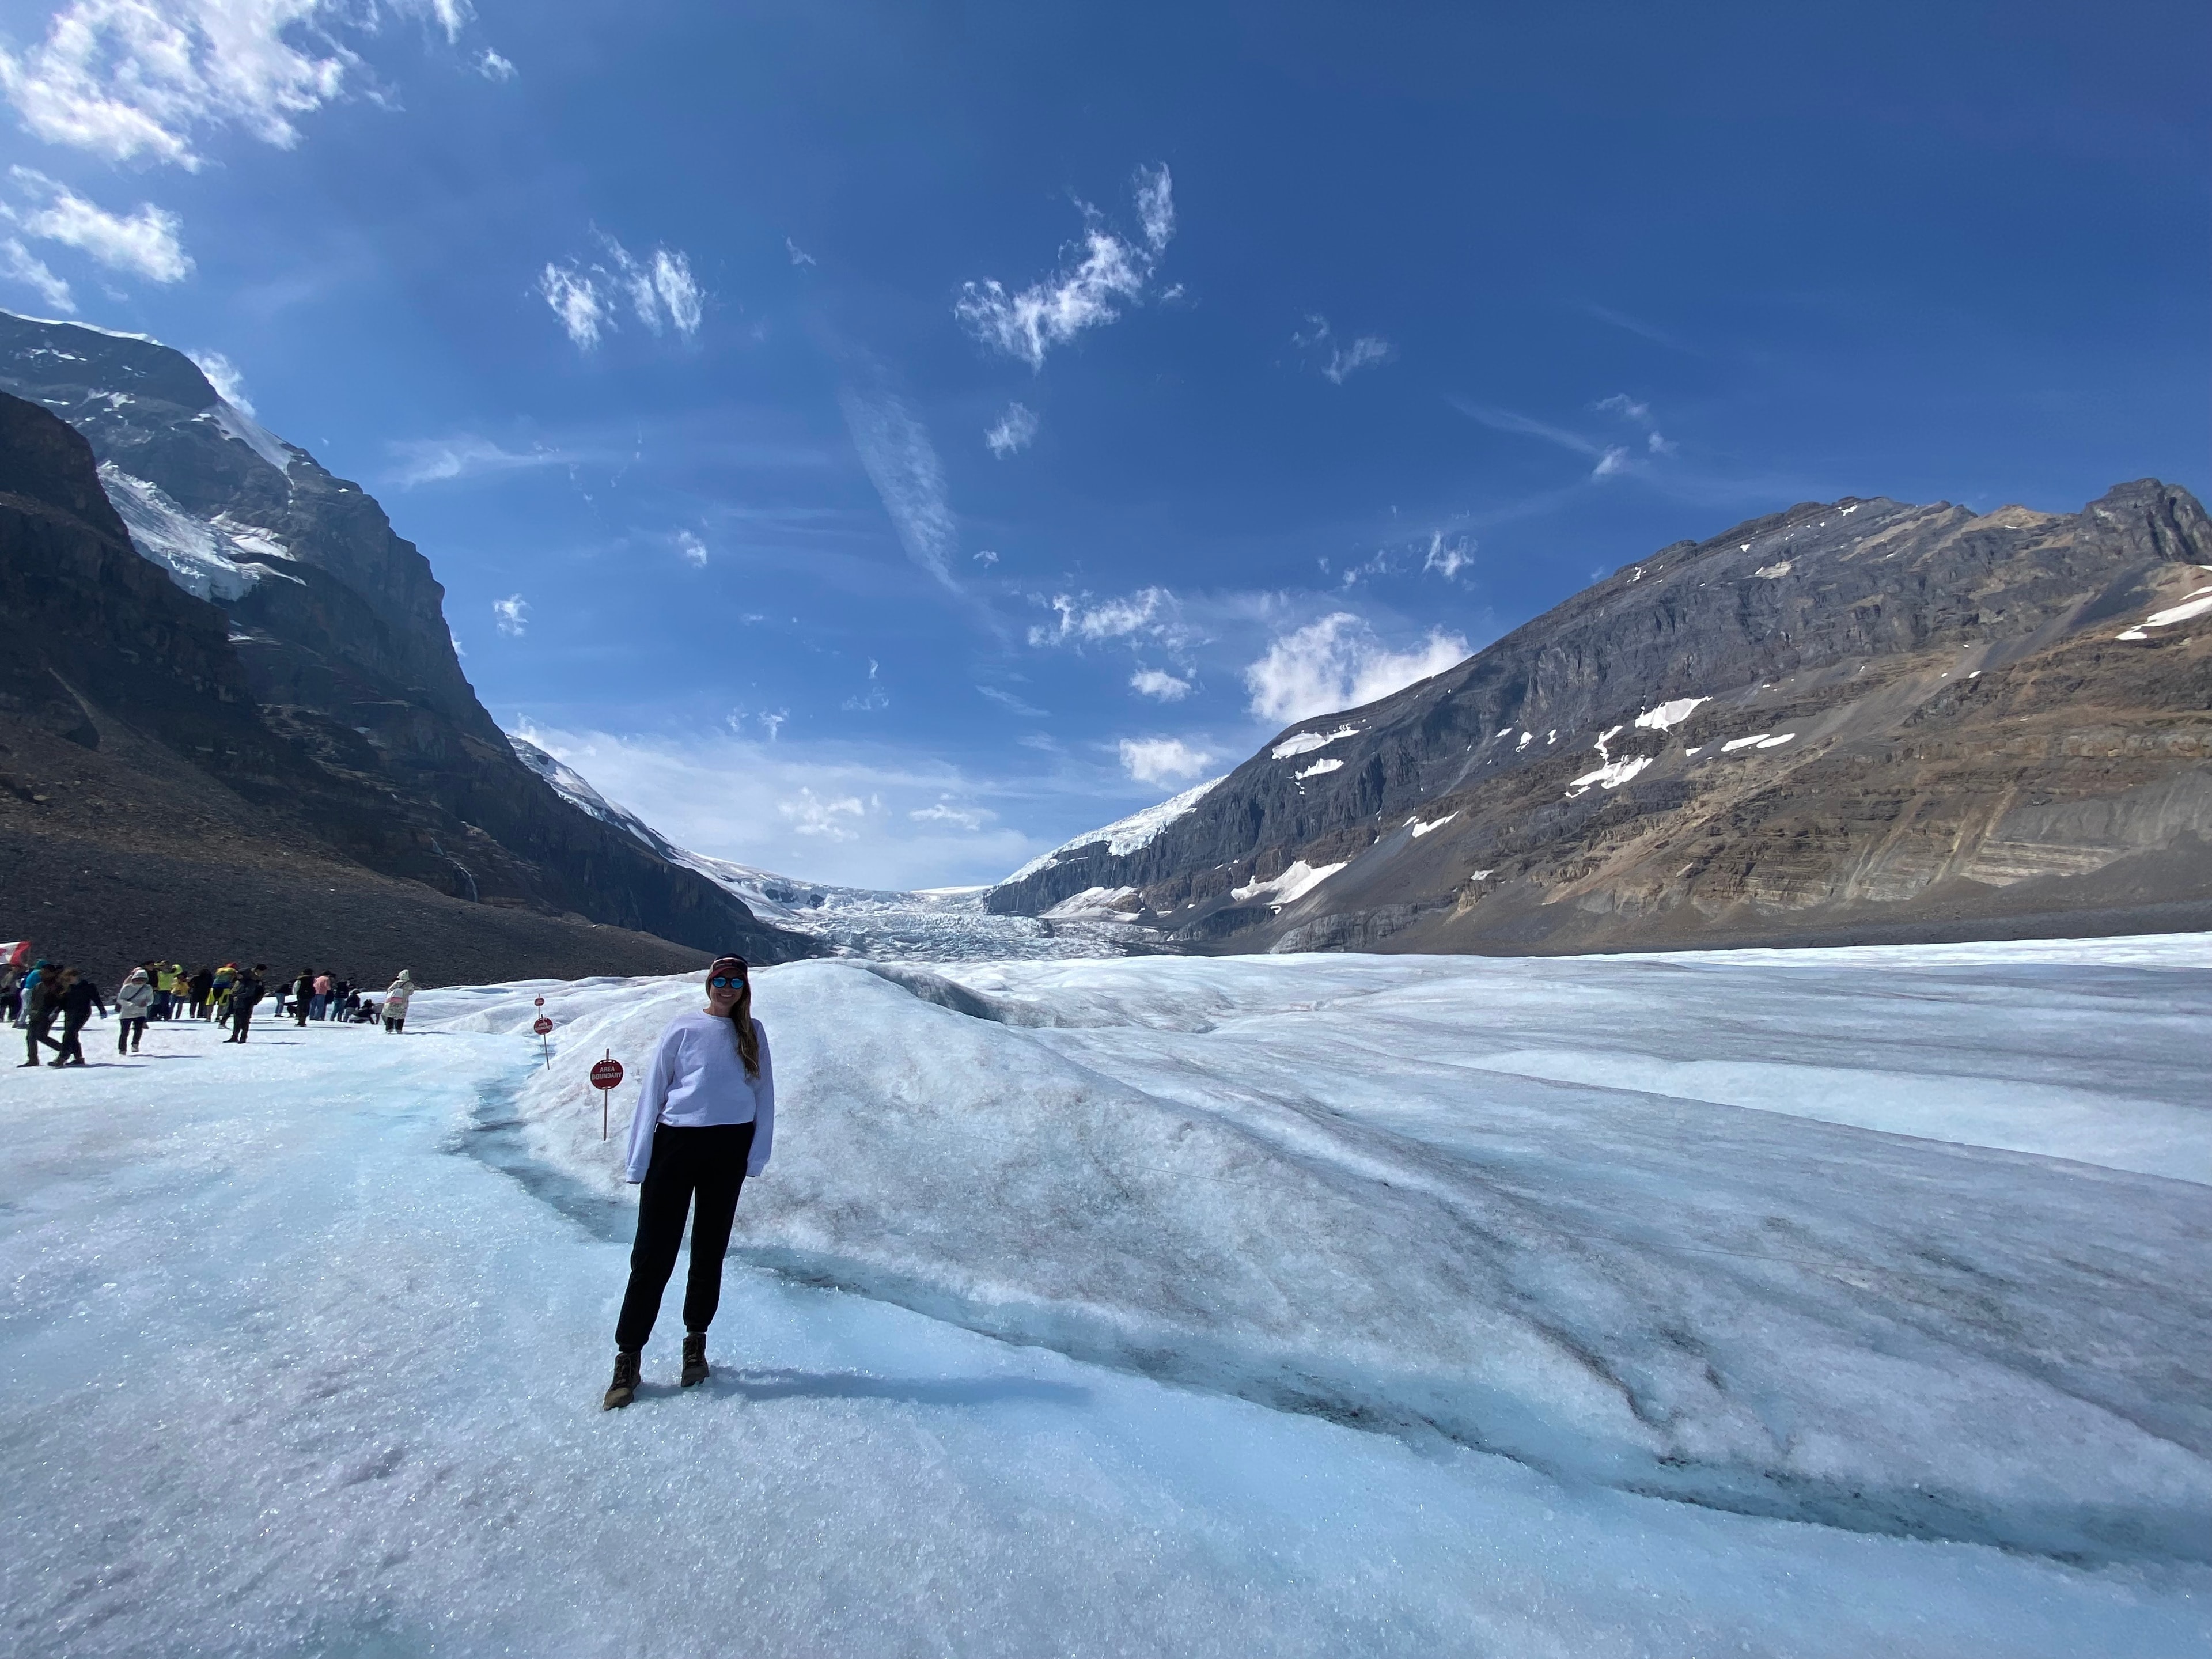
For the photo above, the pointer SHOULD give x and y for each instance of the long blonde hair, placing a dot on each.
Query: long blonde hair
(741, 1016)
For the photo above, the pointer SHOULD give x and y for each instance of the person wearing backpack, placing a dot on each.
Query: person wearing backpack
(75, 1002)
(246, 991)
(705, 1120)
(41, 1002)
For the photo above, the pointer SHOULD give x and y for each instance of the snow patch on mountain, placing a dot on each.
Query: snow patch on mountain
(208, 559)
(1668, 714)
(1304, 743)
(1127, 834)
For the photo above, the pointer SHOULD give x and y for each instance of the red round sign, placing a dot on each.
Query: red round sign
(606, 1074)
(541, 1025)
(538, 1002)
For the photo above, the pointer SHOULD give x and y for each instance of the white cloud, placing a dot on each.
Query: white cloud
(146, 243)
(692, 548)
(871, 697)
(224, 376)
(662, 293)
(1637, 414)
(1504, 420)
(1008, 700)
(966, 817)
(574, 295)
(511, 614)
(679, 296)
(1014, 431)
(800, 256)
(835, 819)
(1148, 613)
(733, 794)
(808, 814)
(903, 464)
(1095, 279)
(1156, 205)
(1447, 556)
(985, 557)
(19, 264)
(1162, 760)
(1338, 663)
(126, 78)
(452, 15)
(432, 460)
(1344, 361)
(1158, 683)
(492, 67)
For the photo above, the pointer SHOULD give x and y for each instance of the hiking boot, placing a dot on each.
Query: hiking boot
(623, 1388)
(695, 1360)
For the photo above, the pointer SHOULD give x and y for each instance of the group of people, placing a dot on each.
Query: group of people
(36, 998)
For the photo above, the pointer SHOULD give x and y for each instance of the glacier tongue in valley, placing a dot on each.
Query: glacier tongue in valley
(1895, 1266)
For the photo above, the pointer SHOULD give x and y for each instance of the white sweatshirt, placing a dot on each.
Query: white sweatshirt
(696, 1080)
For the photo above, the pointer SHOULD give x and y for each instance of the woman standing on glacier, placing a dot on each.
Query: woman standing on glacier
(705, 1120)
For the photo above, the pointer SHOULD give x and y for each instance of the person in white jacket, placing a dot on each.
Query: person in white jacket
(133, 1006)
(705, 1120)
(396, 1000)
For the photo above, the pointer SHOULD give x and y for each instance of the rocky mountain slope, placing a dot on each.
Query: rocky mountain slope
(1850, 721)
(313, 637)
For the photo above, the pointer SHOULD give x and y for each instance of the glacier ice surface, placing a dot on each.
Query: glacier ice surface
(1328, 1305)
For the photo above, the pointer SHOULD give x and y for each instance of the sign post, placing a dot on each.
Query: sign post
(606, 1076)
(541, 1025)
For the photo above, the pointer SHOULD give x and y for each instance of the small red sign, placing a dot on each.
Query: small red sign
(538, 1002)
(541, 1025)
(607, 1075)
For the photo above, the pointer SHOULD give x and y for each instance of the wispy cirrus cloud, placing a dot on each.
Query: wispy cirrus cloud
(1344, 359)
(1012, 703)
(586, 295)
(1610, 459)
(1150, 613)
(1095, 278)
(1013, 432)
(902, 463)
(434, 460)
(511, 615)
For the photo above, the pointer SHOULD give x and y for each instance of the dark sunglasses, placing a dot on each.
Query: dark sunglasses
(725, 982)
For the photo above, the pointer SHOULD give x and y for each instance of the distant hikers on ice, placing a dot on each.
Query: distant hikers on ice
(705, 1120)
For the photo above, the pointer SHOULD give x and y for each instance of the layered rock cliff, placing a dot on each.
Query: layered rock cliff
(326, 631)
(1852, 720)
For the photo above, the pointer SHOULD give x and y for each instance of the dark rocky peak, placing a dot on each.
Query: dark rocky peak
(1830, 622)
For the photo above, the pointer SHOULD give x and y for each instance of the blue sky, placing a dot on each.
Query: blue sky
(877, 441)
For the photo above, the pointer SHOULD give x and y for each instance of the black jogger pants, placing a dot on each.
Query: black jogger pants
(708, 1163)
